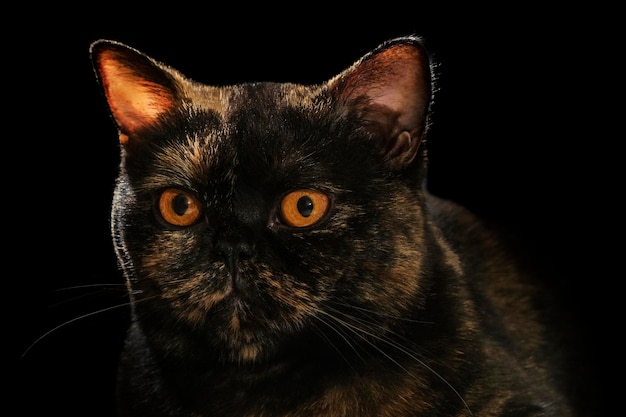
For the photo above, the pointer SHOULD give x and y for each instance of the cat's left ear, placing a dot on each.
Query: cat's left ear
(391, 89)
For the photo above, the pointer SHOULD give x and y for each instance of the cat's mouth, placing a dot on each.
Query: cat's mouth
(243, 329)
(245, 315)
(241, 316)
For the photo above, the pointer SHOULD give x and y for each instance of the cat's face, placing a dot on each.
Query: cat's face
(247, 214)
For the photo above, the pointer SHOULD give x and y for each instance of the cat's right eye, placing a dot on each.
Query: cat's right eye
(178, 207)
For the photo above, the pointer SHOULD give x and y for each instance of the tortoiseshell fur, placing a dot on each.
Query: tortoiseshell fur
(396, 303)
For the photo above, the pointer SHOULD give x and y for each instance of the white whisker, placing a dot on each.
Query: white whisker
(361, 332)
(382, 314)
(330, 342)
(75, 319)
(101, 289)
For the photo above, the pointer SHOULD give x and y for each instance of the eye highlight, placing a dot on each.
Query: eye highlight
(178, 207)
(303, 208)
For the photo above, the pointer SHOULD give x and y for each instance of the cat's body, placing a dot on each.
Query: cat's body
(284, 257)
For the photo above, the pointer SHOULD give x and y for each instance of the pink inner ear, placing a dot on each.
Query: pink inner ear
(134, 101)
(402, 97)
(395, 83)
(396, 79)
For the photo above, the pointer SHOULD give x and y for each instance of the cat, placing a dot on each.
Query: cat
(284, 256)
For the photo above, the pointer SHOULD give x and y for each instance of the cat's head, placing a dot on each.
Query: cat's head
(247, 214)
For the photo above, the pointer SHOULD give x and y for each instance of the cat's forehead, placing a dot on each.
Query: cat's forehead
(265, 98)
(264, 121)
(259, 130)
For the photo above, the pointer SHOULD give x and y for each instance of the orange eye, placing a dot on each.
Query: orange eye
(302, 208)
(178, 207)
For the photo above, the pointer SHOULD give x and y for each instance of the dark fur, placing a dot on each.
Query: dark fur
(395, 303)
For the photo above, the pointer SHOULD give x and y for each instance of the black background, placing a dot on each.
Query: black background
(511, 139)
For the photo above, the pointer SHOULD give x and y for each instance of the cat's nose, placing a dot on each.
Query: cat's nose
(234, 249)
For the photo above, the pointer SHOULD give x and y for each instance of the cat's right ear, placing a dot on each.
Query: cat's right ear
(138, 89)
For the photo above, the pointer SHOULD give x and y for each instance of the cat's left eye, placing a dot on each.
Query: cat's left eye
(178, 207)
(303, 208)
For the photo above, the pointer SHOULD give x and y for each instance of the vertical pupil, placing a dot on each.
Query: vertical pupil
(180, 204)
(305, 206)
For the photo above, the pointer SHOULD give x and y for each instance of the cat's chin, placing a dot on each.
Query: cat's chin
(243, 336)
(248, 353)
(246, 348)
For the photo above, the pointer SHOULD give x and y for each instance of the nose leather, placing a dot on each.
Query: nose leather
(234, 248)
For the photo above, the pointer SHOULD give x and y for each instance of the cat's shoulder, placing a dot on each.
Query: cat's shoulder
(450, 215)
(467, 231)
